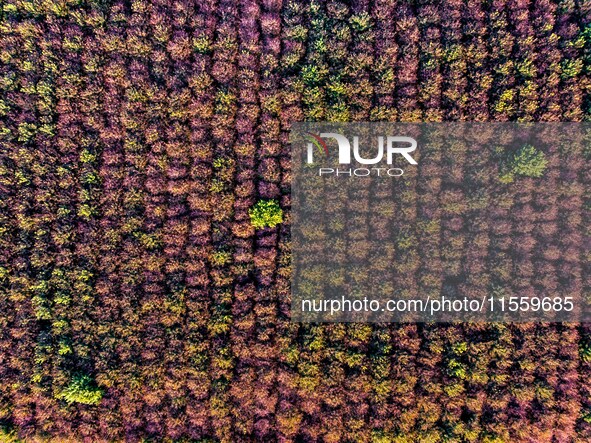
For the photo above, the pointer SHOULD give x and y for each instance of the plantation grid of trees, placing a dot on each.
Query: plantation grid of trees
(145, 220)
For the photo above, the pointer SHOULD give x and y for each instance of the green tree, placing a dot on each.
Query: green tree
(265, 213)
(585, 351)
(526, 161)
(81, 390)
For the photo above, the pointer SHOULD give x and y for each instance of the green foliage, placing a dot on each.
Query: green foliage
(265, 213)
(87, 157)
(338, 113)
(360, 22)
(21, 178)
(380, 436)
(571, 68)
(406, 240)
(224, 101)
(220, 258)
(26, 132)
(64, 348)
(527, 162)
(459, 348)
(91, 179)
(48, 130)
(319, 45)
(586, 34)
(221, 162)
(585, 351)
(4, 108)
(5, 133)
(202, 44)
(456, 369)
(504, 104)
(298, 33)
(8, 435)
(148, 241)
(312, 75)
(336, 88)
(81, 390)
(86, 211)
(526, 69)
(217, 186)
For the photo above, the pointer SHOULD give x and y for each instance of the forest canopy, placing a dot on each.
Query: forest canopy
(141, 299)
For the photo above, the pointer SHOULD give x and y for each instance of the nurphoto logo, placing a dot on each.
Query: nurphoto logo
(393, 145)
